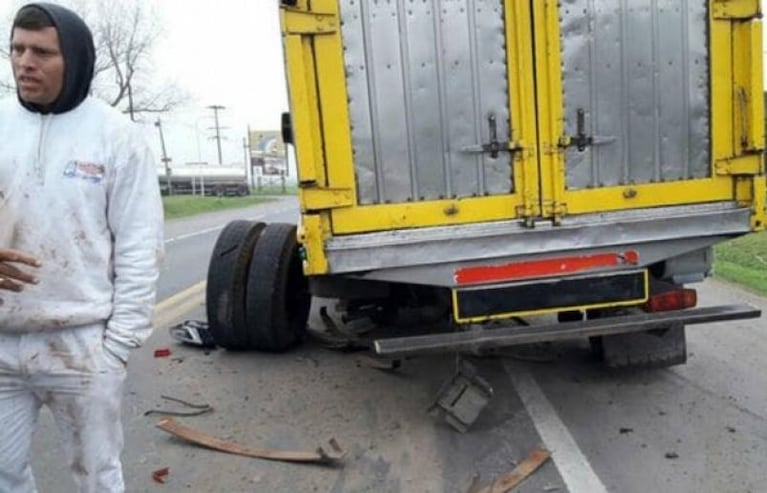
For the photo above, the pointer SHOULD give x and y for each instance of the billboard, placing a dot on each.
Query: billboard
(268, 152)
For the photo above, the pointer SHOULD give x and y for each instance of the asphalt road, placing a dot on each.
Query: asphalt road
(701, 427)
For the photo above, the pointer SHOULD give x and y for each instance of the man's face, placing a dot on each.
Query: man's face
(38, 65)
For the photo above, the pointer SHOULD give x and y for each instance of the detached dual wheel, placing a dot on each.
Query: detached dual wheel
(227, 281)
(268, 292)
(278, 300)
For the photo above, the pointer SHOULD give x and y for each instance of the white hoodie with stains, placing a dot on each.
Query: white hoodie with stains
(79, 190)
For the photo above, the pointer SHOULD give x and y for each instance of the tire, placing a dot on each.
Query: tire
(277, 297)
(227, 278)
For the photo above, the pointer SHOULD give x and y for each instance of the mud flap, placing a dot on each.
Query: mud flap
(658, 348)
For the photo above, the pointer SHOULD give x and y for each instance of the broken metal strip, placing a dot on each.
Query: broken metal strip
(477, 340)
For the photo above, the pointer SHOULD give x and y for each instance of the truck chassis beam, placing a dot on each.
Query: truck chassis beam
(479, 339)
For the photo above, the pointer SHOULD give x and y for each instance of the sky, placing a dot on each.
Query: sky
(221, 52)
(229, 55)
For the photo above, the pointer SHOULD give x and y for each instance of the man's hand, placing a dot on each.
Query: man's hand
(11, 277)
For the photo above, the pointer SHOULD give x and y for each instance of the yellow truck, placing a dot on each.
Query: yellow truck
(496, 159)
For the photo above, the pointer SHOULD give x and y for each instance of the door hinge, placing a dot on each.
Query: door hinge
(313, 198)
(305, 22)
(742, 10)
(555, 211)
(749, 164)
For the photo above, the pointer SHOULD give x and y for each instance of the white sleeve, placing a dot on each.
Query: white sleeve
(135, 218)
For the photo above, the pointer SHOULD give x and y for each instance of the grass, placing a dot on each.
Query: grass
(176, 206)
(275, 190)
(744, 261)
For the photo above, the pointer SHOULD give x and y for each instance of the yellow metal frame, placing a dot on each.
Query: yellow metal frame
(319, 83)
(302, 30)
(502, 316)
(736, 122)
(328, 196)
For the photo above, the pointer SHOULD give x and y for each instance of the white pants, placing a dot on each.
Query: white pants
(70, 372)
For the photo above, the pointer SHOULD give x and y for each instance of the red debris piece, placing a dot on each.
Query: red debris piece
(161, 353)
(161, 475)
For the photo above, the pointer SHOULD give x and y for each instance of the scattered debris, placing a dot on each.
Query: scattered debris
(550, 487)
(161, 353)
(672, 455)
(378, 363)
(462, 398)
(193, 333)
(160, 475)
(175, 428)
(623, 431)
(199, 408)
(730, 429)
(335, 338)
(511, 480)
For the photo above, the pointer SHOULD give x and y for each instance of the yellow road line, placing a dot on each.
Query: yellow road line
(174, 307)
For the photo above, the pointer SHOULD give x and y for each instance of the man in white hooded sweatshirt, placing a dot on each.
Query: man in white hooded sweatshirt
(78, 192)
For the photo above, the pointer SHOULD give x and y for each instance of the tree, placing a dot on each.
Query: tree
(125, 33)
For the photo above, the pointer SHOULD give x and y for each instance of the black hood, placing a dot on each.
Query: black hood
(79, 59)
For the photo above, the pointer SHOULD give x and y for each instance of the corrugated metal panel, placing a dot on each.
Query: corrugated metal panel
(423, 78)
(639, 70)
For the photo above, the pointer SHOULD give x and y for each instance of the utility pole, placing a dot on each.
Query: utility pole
(165, 159)
(216, 108)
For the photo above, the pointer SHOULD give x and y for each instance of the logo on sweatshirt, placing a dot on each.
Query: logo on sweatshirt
(91, 172)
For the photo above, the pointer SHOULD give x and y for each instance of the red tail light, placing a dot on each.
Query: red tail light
(678, 299)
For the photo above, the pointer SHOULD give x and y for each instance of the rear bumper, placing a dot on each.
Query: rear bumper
(482, 339)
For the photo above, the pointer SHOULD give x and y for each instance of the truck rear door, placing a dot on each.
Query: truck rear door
(649, 103)
(413, 113)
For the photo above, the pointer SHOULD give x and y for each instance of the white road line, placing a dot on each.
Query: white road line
(220, 227)
(569, 459)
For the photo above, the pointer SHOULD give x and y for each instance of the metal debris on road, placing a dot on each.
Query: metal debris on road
(335, 338)
(331, 457)
(160, 475)
(509, 481)
(194, 333)
(623, 431)
(672, 455)
(198, 408)
(462, 398)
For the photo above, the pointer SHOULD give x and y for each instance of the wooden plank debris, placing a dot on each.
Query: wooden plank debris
(320, 456)
(509, 481)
